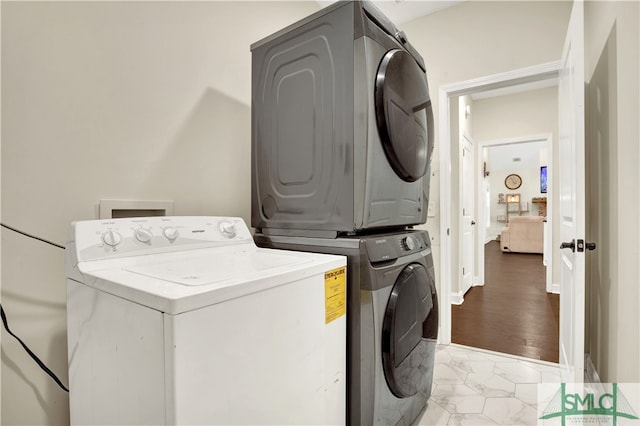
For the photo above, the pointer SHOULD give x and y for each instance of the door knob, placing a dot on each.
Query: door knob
(581, 246)
(571, 245)
(473, 222)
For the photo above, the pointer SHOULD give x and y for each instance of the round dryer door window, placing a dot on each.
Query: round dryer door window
(403, 355)
(404, 114)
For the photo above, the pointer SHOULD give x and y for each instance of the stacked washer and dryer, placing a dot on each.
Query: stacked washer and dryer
(342, 137)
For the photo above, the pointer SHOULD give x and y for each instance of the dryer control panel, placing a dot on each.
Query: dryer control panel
(109, 238)
(392, 246)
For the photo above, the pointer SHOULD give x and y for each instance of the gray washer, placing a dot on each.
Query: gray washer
(392, 321)
(342, 126)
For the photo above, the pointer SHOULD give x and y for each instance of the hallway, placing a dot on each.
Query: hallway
(512, 313)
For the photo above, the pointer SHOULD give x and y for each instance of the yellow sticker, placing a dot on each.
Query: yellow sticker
(334, 294)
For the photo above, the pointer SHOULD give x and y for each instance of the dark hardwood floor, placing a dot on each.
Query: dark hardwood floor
(512, 313)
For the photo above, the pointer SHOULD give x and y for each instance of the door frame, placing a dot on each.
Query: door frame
(482, 236)
(531, 74)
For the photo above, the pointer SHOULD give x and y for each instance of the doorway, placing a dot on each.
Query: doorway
(510, 309)
(449, 215)
(531, 159)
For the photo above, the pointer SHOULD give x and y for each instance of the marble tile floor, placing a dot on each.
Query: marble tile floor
(477, 387)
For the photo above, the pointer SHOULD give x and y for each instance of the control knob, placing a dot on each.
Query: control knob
(143, 235)
(227, 228)
(409, 243)
(171, 233)
(111, 238)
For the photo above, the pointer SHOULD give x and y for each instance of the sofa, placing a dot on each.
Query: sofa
(523, 234)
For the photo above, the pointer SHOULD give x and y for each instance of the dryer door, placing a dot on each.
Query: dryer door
(412, 299)
(404, 114)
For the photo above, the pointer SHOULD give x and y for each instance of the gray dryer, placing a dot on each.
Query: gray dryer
(342, 126)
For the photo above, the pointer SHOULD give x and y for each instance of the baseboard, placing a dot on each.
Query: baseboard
(555, 288)
(457, 298)
(590, 372)
(476, 282)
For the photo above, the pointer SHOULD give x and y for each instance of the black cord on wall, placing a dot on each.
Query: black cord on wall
(6, 323)
(31, 236)
(30, 352)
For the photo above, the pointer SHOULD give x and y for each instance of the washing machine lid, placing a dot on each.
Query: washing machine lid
(204, 268)
(404, 114)
(182, 281)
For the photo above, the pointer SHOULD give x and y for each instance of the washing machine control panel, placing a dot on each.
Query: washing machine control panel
(412, 242)
(99, 239)
(409, 242)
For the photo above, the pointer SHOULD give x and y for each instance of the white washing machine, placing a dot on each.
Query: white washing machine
(183, 320)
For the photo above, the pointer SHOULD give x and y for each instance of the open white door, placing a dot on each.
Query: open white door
(571, 167)
(467, 186)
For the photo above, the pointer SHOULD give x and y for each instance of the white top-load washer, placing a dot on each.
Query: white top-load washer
(183, 320)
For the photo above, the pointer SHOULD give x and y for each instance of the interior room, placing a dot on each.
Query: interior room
(512, 130)
(151, 103)
(527, 160)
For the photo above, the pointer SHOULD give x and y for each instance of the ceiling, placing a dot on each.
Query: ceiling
(401, 11)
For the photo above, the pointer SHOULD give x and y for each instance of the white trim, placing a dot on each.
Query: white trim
(479, 201)
(540, 72)
(550, 218)
(444, 135)
(591, 375)
(555, 288)
(505, 355)
(496, 81)
(542, 137)
(457, 298)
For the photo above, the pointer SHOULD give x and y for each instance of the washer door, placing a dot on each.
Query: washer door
(407, 309)
(404, 114)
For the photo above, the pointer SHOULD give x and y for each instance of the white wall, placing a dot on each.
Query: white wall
(131, 100)
(477, 39)
(517, 115)
(612, 67)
